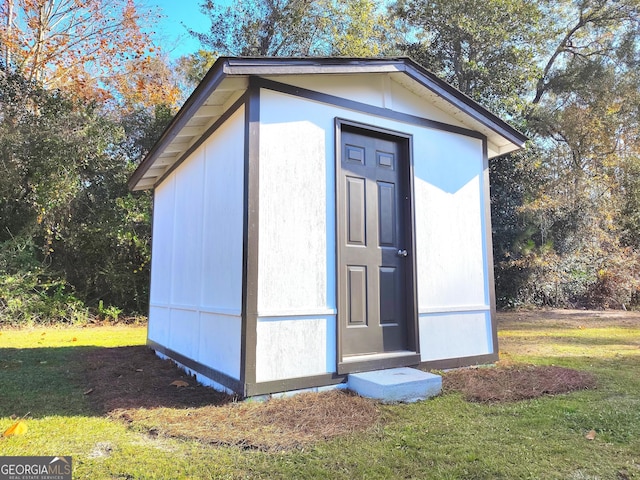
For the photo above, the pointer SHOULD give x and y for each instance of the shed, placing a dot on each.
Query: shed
(315, 217)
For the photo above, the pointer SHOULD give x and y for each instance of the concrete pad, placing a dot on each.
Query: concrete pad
(395, 384)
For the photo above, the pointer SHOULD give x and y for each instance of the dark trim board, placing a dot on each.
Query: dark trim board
(251, 389)
(363, 107)
(290, 384)
(212, 374)
(209, 84)
(203, 138)
(250, 237)
(302, 383)
(409, 360)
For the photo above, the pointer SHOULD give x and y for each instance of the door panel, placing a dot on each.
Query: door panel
(356, 211)
(357, 291)
(372, 228)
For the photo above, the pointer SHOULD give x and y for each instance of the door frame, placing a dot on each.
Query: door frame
(412, 356)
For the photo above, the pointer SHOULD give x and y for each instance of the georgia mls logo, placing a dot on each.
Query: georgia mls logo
(35, 468)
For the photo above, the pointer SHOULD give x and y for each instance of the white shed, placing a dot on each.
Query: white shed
(315, 217)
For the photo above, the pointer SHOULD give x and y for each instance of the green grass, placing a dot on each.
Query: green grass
(443, 438)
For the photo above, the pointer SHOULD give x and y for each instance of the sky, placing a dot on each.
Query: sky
(171, 32)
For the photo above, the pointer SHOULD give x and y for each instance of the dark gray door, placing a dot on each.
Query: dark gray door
(373, 244)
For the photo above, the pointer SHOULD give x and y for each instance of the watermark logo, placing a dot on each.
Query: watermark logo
(35, 468)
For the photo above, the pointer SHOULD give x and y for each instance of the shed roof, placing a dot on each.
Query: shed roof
(228, 79)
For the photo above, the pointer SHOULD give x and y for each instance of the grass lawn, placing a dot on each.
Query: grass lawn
(43, 371)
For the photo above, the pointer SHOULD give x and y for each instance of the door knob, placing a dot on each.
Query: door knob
(402, 253)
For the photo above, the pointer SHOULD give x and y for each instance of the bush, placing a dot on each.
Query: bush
(32, 294)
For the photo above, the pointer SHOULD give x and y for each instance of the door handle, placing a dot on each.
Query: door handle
(402, 253)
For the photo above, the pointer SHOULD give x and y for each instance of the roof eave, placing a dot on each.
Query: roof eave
(210, 82)
(255, 66)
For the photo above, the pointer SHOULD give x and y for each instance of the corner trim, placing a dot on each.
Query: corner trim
(251, 231)
(488, 234)
(211, 373)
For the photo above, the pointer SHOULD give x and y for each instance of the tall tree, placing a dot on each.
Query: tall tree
(293, 28)
(264, 27)
(359, 29)
(565, 71)
(76, 45)
(486, 48)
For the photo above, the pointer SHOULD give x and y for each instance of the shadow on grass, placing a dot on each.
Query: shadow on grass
(85, 381)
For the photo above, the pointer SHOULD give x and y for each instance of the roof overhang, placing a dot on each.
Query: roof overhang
(228, 79)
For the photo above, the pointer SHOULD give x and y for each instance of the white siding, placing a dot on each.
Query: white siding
(293, 220)
(196, 284)
(162, 238)
(297, 237)
(290, 347)
(187, 231)
(379, 91)
(454, 335)
(221, 286)
(450, 222)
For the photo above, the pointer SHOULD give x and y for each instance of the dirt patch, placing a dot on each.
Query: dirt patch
(134, 377)
(515, 382)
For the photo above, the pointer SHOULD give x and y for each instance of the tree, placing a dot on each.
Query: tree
(566, 73)
(76, 45)
(146, 82)
(485, 48)
(72, 234)
(284, 28)
(264, 27)
(359, 30)
(193, 67)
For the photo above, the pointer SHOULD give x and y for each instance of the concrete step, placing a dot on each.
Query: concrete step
(395, 384)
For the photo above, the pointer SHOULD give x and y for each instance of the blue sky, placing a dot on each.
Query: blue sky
(171, 34)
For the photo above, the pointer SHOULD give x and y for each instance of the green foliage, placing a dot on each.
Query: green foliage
(30, 293)
(291, 28)
(72, 234)
(263, 27)
(486, 48)
(360, 30)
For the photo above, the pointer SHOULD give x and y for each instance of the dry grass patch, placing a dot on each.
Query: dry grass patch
(515, 382)
(134, 385)
(277, 424)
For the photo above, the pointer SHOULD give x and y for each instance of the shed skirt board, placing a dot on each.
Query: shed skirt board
(376, 303)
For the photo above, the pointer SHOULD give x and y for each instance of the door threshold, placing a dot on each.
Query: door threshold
(375, 356)
(378, 361)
